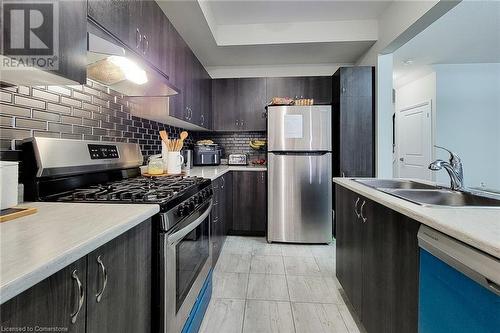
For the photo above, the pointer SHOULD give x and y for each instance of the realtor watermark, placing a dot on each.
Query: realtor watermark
(30, 35)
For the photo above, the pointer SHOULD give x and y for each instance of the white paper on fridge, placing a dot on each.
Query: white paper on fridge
(293, 126)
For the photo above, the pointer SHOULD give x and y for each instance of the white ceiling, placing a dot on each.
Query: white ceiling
(251, 12)
(468, 33)
(276, 33)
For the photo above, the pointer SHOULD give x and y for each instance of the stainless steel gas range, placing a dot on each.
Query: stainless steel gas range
(89, 171)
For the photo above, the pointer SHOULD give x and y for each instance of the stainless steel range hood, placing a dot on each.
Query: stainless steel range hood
(110, 63)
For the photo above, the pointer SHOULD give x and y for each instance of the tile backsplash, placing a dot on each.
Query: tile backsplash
(235, 142)
(90, 112)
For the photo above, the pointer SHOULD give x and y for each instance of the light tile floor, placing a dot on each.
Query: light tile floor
(260, 287)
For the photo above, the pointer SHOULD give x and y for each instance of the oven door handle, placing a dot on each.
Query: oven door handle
(174, 238)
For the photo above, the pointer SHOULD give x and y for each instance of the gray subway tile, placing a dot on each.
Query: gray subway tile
(98, 101)
(82, 113)
(82, 129)
(45, 95)
(90, 122)
(99, 131)
(99, 116)
(31, 124)
(71, 136)
(71, 101)
(44, 115)
(15, 110)
(23, 90)
(71, 120)
(90, 107)
(6, 121)
(63, 128)
(91, 137)
(14, 133)
(30, 102)
(59, 90)
(5, 96)
(82, 97)
(59, 108)
(47, 134)
(91, 91)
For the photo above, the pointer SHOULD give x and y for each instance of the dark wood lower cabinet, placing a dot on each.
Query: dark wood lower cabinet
(49, 304)
(377, 263)
(125, 304)
(249, 203)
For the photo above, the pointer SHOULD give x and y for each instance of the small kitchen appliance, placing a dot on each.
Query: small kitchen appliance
(108, 172)
(188, 159)
(8, 184)
(237, 159)
(207, 154)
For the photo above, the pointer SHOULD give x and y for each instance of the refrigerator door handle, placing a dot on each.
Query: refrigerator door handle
(300, 153)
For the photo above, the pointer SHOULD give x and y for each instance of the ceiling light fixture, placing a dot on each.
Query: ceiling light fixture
(130, 69)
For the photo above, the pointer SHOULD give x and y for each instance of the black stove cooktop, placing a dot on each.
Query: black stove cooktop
(166, 191)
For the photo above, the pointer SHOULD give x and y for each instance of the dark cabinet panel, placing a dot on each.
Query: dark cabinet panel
(239, 104)
(251, 98)
(224, 105)
(317, 87)
(222, 202)
(206, 100)
(50, 303)
(115, 17)
(249, 203)
(354, 119)
(125, 305)
(377, 263)
(348, 250)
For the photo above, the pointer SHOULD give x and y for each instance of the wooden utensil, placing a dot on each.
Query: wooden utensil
(164, 136)
(183, 136)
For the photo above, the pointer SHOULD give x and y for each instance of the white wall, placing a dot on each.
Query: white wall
(383, 121)
(468, 120)
(420, 90)
(218, 72)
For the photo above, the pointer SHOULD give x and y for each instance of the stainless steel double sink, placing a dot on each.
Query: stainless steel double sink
(430, 195)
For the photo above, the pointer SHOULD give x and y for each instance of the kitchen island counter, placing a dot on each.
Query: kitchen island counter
(34, 247)
(478, 227)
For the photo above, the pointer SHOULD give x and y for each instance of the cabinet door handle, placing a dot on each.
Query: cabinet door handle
(223, 182)
(190, 113)
(237, 123)
(202, 119)
(343, 174)
(356, 208)
(138, 38)
(105, 282)
(262, 177)
(81, 296)
(361, 212)
(186, 113)
(146, 44)
(242, 123)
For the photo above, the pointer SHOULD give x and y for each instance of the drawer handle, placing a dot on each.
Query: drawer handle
(81, 296)
(105, 282)
(361, 210)
(356, 208)
(146, 45)
(138, 38)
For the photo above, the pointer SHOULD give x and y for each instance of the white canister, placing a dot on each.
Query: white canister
(174, 162)
(164, 155)
(8, 183)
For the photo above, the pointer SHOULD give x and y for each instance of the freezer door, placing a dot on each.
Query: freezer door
(300, 198)
(299, 128)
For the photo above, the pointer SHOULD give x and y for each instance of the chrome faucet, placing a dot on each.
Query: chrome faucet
(453, 167)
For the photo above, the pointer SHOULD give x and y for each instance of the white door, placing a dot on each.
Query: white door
(414, 141)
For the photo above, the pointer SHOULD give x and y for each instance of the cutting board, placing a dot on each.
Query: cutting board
(15, 212)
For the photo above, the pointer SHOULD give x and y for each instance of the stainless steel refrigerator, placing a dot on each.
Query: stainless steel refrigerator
(299, 174)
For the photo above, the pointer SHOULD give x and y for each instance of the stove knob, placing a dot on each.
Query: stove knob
(181, 210)
(191, 205)
(199, 199)
(210, 191)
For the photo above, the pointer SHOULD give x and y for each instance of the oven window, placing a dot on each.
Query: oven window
(191, 254)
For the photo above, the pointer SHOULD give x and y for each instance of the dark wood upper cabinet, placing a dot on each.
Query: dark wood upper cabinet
(224, 105)
(377, 262)
(50, 303)
(71, 51)
(249, 203)
(125, 304)
(239, 104)
(354, 121)
(316, 87)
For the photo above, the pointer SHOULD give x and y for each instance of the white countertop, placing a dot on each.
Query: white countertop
(214, 172)
(36, 246)
(477, 227)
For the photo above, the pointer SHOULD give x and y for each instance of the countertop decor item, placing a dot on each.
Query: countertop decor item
(16, 212)
(9, 172)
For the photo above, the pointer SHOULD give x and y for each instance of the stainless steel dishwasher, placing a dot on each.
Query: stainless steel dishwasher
(459, 286)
